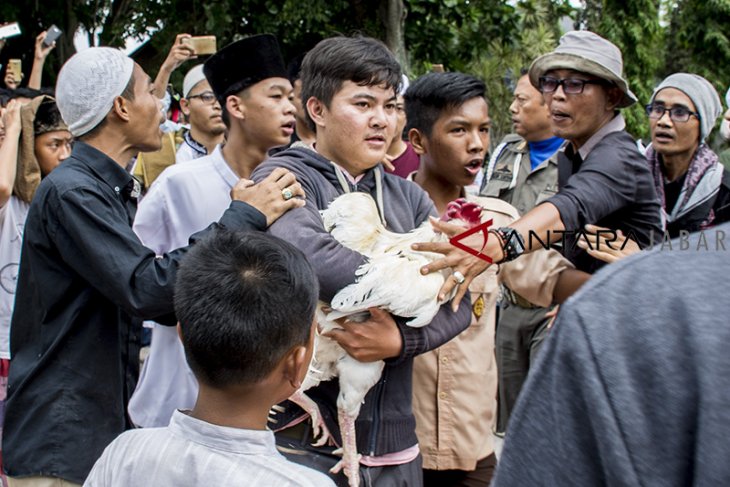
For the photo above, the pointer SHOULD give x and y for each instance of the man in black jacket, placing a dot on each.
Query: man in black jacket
(86, 281)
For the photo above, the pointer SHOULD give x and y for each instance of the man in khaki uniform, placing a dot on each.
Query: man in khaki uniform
(455, 385)
(521, 172)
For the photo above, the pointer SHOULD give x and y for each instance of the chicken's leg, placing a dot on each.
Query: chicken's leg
(350, 462)
(319, 429)
(356, 379)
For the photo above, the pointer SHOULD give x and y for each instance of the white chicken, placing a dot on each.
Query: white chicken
(392, 266)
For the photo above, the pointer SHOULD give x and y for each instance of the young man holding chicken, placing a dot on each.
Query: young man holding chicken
(455, 385)
(349, 90)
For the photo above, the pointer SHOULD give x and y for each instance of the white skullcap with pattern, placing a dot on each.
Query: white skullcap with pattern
(88, 84)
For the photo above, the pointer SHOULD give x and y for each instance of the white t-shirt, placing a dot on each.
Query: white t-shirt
(12, 222)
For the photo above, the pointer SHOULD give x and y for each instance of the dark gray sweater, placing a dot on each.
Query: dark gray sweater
(386, 423)
(633, 384)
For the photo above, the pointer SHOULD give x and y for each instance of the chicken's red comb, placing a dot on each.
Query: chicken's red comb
(461, 209)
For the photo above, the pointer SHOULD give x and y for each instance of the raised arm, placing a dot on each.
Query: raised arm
(179, 53)
(9, 150)
(39, 60)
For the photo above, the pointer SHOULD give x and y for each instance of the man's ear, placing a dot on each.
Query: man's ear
(614, 97)
(296, 366)
(418, 141)
(185, 106)
(121, 108)
(316, 110)
(236, 107)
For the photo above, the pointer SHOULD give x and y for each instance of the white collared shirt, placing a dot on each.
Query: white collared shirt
(191, 452)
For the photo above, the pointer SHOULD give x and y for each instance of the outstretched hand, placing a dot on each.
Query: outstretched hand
(458, 260)
(606, 244)
(268, 195)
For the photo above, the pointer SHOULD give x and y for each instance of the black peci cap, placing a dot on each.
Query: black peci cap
(244, 63)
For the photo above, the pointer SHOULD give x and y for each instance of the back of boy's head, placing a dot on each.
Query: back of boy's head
(362, 60)
(433, 93)
(243, 300)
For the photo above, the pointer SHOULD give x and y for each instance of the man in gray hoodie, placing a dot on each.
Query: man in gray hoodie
(349, 90)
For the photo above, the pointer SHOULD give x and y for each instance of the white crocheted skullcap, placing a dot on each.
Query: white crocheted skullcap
(194, 76)
(88, 84)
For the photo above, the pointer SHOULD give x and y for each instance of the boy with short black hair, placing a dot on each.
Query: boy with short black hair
(349, 90)
(245, 304)
(455, 385)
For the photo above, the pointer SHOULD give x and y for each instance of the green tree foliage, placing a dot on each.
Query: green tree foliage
(634, 27)
(504, 59)
(455, 33)
(493, 39)
(698, 40)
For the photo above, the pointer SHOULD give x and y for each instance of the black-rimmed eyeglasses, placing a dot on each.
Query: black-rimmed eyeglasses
(677, 114)
(208, 98)
(571, 86)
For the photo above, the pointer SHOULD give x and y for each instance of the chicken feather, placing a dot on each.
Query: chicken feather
(392, 267)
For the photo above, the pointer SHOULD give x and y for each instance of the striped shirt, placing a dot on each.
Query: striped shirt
(191, 452)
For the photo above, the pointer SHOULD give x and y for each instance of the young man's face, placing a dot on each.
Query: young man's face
(578, 116)
(203, 110)
(269, 112)
(358, 126)
(671, 138)
(145, 114)
(455, 150)
(530, 114)
(51, 148)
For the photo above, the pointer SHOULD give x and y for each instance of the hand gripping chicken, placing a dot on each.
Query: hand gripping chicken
(390, 280)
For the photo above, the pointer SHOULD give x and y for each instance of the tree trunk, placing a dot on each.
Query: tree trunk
(111, 34)
(65, 45)
(393, 17)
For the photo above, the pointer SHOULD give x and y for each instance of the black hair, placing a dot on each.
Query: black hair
(362, 60)
(433, 93)
(47, 117)
(128, 93)
(239, 88)
(294, 68)
(243, 300)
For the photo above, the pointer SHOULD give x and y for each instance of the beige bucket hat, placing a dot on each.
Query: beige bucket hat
(589, 53)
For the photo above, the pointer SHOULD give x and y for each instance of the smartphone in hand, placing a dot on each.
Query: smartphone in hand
(52, 34)
(202, 44)
(9, 30)
(15, 67)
